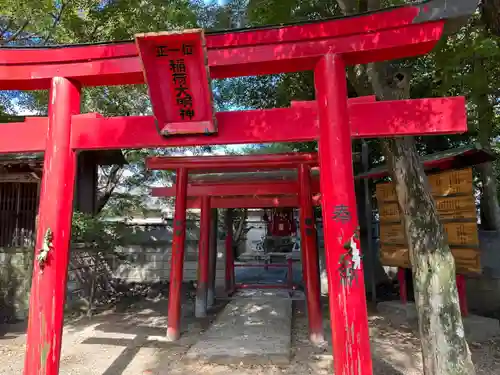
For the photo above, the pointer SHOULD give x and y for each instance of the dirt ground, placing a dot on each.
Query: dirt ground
(132, 343)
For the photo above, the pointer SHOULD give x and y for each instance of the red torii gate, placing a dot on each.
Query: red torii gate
(300, 189)
(325, 47)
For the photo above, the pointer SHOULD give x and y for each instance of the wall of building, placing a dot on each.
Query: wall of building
(144, 258)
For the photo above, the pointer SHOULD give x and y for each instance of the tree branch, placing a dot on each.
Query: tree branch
(348, 7)
(55, 23)
(7, 27)
(16, 34)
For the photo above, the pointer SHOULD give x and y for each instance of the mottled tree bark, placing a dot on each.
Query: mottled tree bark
(444, 347)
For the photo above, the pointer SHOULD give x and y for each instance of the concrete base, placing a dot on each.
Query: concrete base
(248, 331)
(477, 328)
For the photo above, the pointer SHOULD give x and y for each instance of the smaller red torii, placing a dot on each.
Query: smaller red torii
(242, 193)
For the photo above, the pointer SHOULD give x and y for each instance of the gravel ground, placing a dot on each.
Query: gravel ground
(132, 343)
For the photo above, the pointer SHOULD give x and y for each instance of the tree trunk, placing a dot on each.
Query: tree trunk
(490, 211)
(444, 348)
(490, 12)
(239, 232)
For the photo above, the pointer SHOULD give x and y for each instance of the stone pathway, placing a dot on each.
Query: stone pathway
(253, 329)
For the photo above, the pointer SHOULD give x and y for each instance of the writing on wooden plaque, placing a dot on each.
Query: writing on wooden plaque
(455, 202)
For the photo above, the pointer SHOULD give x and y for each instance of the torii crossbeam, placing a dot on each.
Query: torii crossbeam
(325, 47)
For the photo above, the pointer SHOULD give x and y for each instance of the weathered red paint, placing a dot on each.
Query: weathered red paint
(349, 319)
(203, 247)
(229, 274)
(252, 201)
(462, 295)
(216, 163)
(367, 120)
(403, 287)
(350, 101)
(378, 36)
(310, 256)
(157, 51)
(48, 289)
(177, 258)
(239, 187)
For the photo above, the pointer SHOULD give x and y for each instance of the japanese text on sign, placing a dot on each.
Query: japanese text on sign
(183, 94)
(162, 51)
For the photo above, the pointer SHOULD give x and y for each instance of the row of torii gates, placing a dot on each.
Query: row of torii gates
(176, 68)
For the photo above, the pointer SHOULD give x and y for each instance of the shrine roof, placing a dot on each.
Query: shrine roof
(461, 157)
(102, 157)
(19, 158)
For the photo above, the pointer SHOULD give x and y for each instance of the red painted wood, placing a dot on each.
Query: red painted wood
(215, 163)
(176, 72)
(421, 116)
(411, 117)
(368, 120)
(48, 289)
(27, 136)
(393, 18)
(229, 274)
(264, 187)
(348, 314)
(384, 36)
(251, 202)
(350, 101)
(177, 258)
(203, 247)
(403, 287)
(310, 256)
(462, 295)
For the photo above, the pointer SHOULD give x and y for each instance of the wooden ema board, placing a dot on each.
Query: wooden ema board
(175, 66)
(453, 193)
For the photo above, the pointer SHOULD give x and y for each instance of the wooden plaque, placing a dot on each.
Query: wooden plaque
(175, 66)
(453, 193)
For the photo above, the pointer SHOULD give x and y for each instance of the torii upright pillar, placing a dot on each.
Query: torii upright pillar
(177, 259)
(50, 270)
(310, 258)
(348, 314)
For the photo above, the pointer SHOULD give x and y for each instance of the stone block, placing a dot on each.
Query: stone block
(249, 331)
